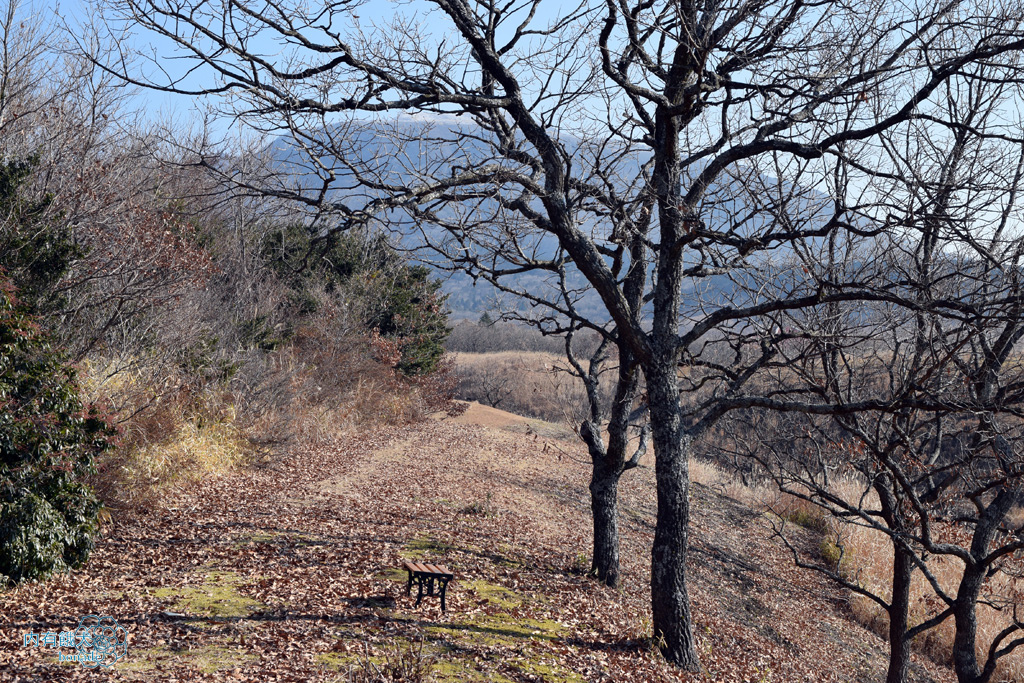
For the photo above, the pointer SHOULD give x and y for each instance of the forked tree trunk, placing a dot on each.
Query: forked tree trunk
(608, 464)
(965, 609)
(670, 603)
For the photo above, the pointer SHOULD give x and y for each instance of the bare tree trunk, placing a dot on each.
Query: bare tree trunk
(604, 502)
(670, 602)
(899, 609)
(965, 616)
(965, 609)
(608, 463)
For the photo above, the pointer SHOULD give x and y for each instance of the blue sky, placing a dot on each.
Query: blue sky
(76, 15)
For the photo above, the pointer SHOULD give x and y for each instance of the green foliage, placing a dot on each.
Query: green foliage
(48, 515)
(201, 360)
(412, 312)
(401, 301)
(258, 333)
(36, 251)
(332, 262)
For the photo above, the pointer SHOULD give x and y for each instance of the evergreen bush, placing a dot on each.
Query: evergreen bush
(48, 441)
(403, 302)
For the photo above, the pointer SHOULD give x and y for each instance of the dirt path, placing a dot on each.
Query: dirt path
(290, 574)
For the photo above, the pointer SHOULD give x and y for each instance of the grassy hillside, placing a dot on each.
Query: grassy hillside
(292, 573)
(531, 383)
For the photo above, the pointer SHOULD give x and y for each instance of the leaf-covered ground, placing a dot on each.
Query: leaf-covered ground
(291, 573)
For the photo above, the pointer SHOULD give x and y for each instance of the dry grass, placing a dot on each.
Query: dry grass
(530, 383)
(171, 434)
(866, 557)
(148, 474)
(871, 564)
(176, 431)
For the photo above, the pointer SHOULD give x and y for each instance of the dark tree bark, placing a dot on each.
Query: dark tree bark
(608, 463)
(604, 504)
(965, 608)
(899, 612)
(891, 504)
(670, 602)
(965, 637)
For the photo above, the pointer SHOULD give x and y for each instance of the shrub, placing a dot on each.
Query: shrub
(401, 301)
(412, 311)
(47, 444)
(36, 252)
(397, 664)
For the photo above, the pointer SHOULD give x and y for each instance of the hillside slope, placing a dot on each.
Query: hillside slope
(289, 573)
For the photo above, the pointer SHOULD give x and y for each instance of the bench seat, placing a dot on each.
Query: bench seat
(424, 575)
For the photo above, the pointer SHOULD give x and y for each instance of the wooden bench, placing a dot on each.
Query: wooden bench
(427, 574)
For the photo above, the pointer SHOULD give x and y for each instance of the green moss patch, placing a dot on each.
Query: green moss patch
(447, 666)
(258, 537)
(502, 632)
(394, 574)
(422, 546)
(208, 659)
(456, 671)
(399, 657)
(552, 673)
(503, 556)
(493, 594)
(217, 597)
(498, 626)
(462, 649)
(339, 660)
(498, 630)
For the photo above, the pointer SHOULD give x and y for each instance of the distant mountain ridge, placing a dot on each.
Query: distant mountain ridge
(401, 151)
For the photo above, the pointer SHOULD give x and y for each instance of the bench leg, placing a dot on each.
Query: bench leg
(444, 590)
(408, 585)
(419, 591)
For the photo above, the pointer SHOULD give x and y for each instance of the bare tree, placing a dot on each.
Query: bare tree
(609, 461)
(924, 382)
(611, 140)
(96, 185)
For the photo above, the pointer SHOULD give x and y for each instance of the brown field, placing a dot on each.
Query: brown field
(528, 383)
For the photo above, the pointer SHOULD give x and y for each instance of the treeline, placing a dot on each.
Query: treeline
(154, 330)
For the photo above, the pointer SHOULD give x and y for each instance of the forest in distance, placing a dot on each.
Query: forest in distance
(687, 269)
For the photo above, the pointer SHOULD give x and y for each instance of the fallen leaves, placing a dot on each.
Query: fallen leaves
(310, 547)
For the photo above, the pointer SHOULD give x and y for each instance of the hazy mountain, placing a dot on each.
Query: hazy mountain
(400, 152)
